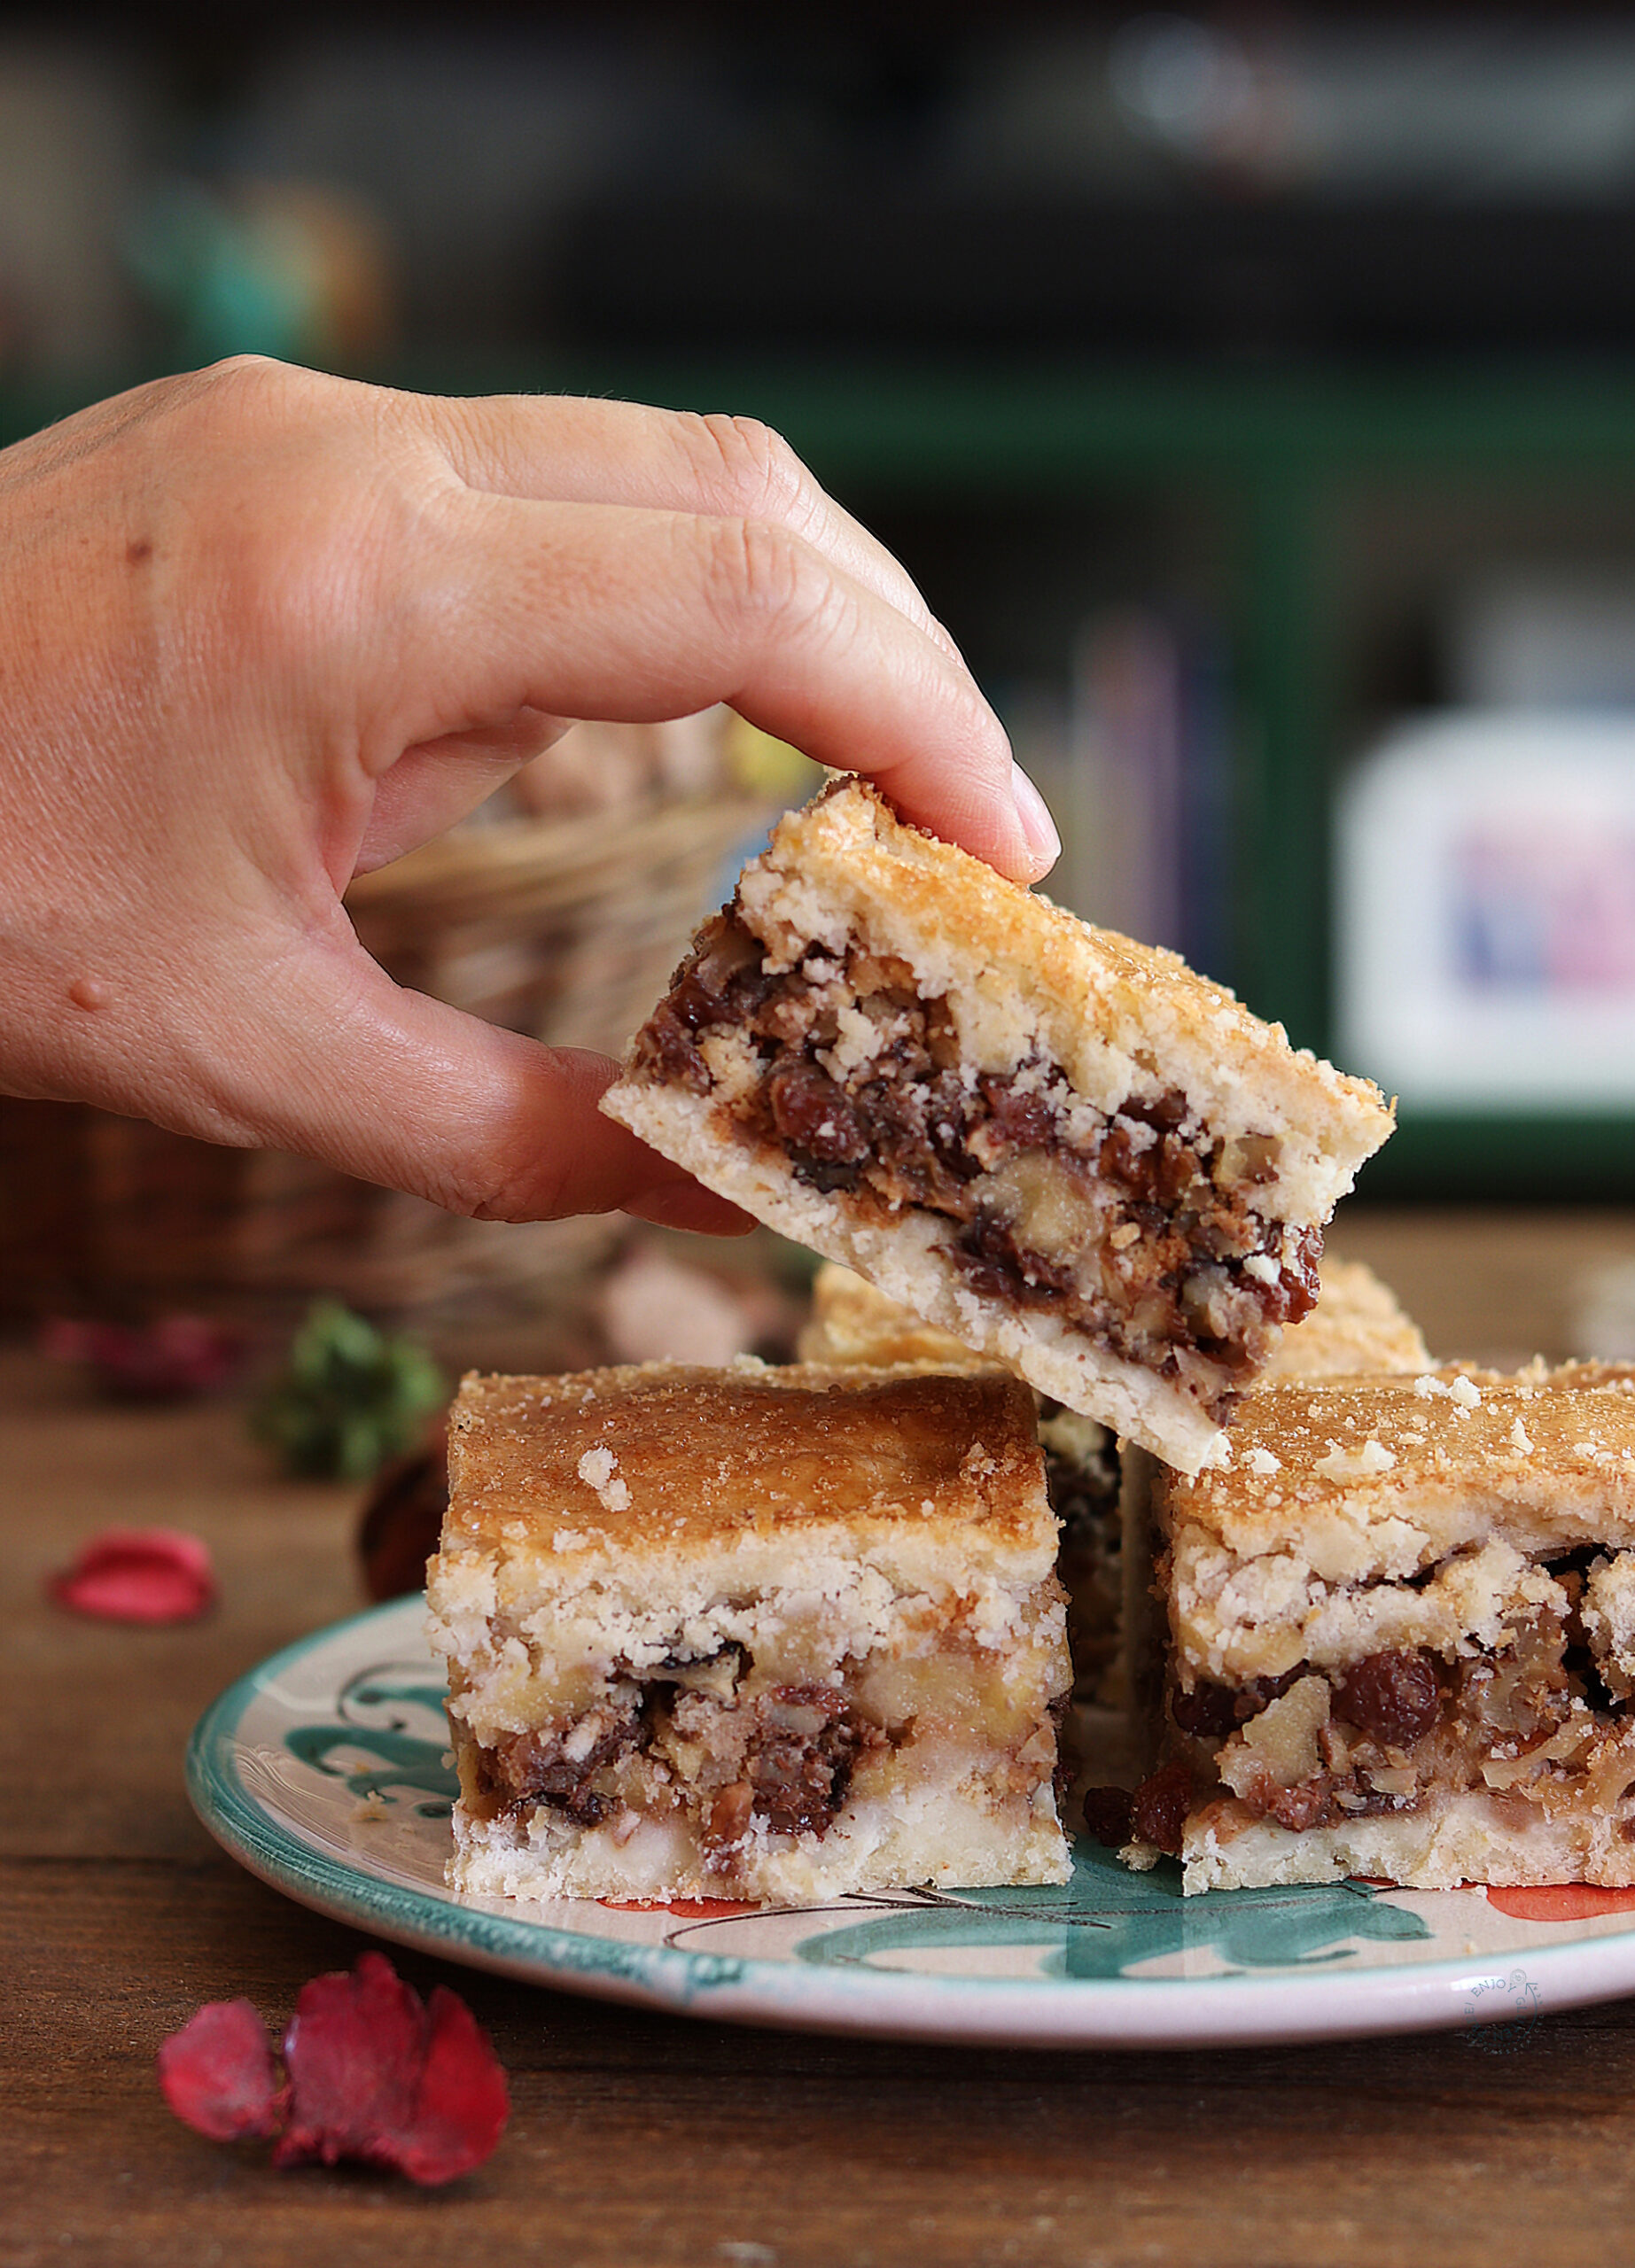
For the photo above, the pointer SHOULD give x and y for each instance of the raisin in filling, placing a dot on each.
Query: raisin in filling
(1137, 1228)
(1530, 1722)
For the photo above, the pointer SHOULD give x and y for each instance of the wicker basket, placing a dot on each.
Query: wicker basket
(566, 929)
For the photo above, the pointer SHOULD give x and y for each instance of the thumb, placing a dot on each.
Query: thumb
(334, 1061)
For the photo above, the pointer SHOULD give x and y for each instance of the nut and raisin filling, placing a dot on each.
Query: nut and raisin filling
(726, 1752)
(1540, 1722)
(1136, 1228)
(688, 1738)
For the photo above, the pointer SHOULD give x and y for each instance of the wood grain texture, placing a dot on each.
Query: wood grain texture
(642, 2142)
(1498, 1285)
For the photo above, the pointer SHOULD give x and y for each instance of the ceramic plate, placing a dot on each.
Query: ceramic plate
(326, 1773)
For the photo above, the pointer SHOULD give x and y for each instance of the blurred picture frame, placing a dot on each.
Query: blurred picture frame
(1485, 914)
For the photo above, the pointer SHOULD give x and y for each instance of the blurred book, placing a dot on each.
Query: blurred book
(1145, 803)
(1486, 911)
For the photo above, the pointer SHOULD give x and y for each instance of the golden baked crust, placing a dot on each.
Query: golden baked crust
(1113, 1012)
(1376, 1476)
(637, 1463)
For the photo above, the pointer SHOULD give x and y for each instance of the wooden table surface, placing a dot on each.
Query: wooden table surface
(638, 2140)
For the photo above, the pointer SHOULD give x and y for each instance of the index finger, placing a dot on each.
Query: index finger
(563, 449)
(600, 610)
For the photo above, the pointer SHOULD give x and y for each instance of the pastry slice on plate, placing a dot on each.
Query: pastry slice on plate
(753, 1632)
(1395, 1636)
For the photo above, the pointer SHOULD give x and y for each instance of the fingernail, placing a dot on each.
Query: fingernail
(1037, 824)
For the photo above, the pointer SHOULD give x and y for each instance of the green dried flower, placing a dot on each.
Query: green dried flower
(348, 1397)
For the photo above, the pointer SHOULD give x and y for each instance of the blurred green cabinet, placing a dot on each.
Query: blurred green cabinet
(1283, 458)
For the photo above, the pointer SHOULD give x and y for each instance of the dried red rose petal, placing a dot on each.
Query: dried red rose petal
(376, 2075)
(163, 1361)
(354, 2052)
(138, 1575)
(220, 2075)
(461, 2104)
(370, 2073)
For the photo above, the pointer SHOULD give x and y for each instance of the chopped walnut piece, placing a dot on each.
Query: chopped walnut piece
(1279, 1745)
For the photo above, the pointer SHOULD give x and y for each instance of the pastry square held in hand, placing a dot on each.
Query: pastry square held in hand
(767, 1633)
(1063, 1148)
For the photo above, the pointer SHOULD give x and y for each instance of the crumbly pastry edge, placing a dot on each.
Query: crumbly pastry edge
(861, 1614)
(867, 1578)
(1396, 1516)
(948, 1836)
(949, 1828)
(946, 1828)
(901, 1259)
(1453, 1837)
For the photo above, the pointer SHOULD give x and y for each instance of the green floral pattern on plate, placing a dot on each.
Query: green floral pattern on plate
(1106, 1921)
(404, 1761)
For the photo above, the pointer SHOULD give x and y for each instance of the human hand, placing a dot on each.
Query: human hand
(262, 630)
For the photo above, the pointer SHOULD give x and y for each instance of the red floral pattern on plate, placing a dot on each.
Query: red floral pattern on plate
(1561, 1901)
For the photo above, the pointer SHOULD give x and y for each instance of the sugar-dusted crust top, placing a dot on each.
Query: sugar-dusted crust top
(660, 1462)
(1122, 1019)
(1377, 1478)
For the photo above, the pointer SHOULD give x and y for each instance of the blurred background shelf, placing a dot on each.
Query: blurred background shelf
(1204, 371)
(1028, 498)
